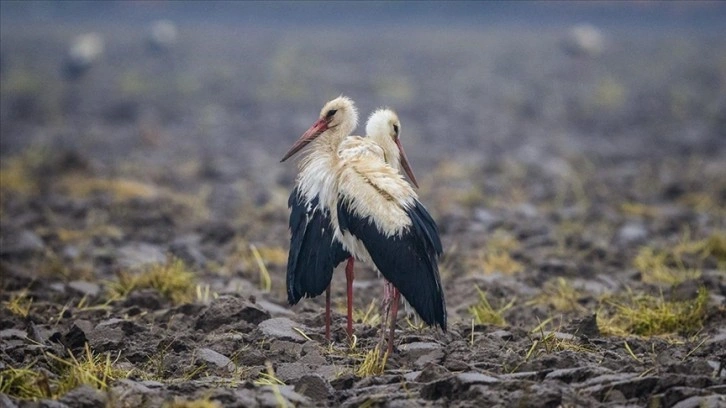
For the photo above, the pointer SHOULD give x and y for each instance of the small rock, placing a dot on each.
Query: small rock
(485, 217)
(583, 40)
(24, 243)
(85, 288)
(411, 376)
(420, 347)
(228, 310)
(187, 249)
(432, 372)
(83, 52)
(630, 385)
(560, 336)
(452, 386)
(632, 233)
(13, 333)
(149, 299)
(456, 365)
(284, 347)
(502, 334)
(576, 374)
(313, 358)
(476, 378)
(700, 402)
(104, 337)
(85, 396)
(289, 372)
(587, 327)
(329, 372)
(51, 404)
(274, 309)
(315, 387)
(435, 356)
(344, 382)
(717, 369)
(212, 357)
(70, 252)
(282, 328)
(140, 254)
(675, 394)
(252, 358)
(6, 402)
(526, 210)
(162, 35)
(268, 398)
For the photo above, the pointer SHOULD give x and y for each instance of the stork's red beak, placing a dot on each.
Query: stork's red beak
(404, 163)
(315, 130)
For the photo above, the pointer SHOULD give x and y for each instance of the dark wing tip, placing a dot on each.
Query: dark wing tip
(407, 260)
(314, 253)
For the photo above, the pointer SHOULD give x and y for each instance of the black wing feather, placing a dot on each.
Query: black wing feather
(408, 260)
(314, 253)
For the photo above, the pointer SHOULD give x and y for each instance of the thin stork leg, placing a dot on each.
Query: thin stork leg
(327, 313)
(388, 295)
(394, 314)
(349, 280)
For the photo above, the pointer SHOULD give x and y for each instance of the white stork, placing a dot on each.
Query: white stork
(314, 252)
(381, 221)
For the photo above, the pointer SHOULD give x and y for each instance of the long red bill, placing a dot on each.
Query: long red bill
(315, 130)
(404, 163)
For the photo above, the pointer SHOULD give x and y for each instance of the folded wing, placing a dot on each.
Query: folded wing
(377, 207)
(314, 253)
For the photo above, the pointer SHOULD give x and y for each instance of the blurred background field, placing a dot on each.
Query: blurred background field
(572, 153)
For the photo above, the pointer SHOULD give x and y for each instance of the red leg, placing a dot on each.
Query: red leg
(349, 276)
(388, 295)
(327, 313)
(394, 314)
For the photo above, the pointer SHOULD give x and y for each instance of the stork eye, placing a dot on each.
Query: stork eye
(395, 129)
(330, 113)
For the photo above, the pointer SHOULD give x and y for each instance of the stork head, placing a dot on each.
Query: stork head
(384, 128)
(338, 116)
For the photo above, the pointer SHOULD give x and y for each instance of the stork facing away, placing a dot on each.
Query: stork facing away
(353, 201)
(381, 221)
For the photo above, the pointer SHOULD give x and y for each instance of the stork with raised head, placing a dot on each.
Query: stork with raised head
(381, 221)
(314, 251)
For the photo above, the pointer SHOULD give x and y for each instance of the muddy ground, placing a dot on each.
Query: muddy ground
(569, 188)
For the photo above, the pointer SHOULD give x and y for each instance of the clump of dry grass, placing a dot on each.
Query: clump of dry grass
(29, 383)
(19, 304)
(269, 378)
(484, 313)
(639, 210)
(249, 257)
(198, 403)
(173, 280)
(669, 265)
(373, 364)
(657, 267)
(77, 185)
(496, 257)
(646, 315)
(559, 294)
(370, 316)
